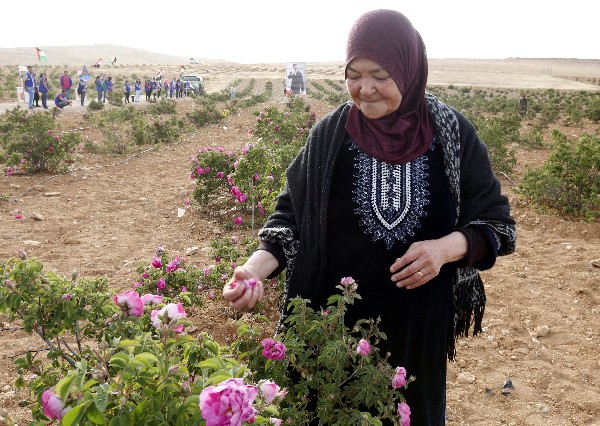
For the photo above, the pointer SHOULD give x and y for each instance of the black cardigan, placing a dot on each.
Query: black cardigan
(299, 222)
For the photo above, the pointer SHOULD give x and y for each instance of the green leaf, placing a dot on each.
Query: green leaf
(95, 416)
(212, 363)
(149, 359)
(74, 415)
(63, 387)
(217, 378)
(128, 343)
(119, 359)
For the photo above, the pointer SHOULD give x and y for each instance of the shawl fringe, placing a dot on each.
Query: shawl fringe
(469, 307)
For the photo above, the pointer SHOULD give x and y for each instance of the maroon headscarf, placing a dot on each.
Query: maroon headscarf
(388, 38)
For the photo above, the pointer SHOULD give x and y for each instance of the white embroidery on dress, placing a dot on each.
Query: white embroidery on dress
(390, 198)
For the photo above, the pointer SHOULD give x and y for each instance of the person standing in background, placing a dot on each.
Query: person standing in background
(127, 89)
(29, 84)
(43, 89)
(99, 88)
(138, 89)
(232, 92)
(81, 89)
(66, 83)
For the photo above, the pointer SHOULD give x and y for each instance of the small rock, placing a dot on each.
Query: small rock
(14, 186)
(507, 387)
(466, 378)
(37, 216)
(542, 331)
(51, 194)
(595, 263)
(31, 243)
(522, 275)
(191, 250)
(489, 392)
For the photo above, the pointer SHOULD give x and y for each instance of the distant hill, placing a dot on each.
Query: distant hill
(88, 55)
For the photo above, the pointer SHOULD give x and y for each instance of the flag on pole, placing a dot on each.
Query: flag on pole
(98, 63)
(41, 55)
(182, 70)
(85, 74)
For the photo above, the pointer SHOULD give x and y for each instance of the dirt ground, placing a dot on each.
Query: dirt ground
(541, 328)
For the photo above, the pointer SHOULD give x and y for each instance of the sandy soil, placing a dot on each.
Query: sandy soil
(542, 318)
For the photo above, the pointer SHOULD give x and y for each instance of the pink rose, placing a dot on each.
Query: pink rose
(229, 403)
(53, 406)
(399, 378)
(235, 191)
(130, 302)
(170, 313)
(220, 175)
(172, 265)
(161, 284)
(272, 349)
(151, 299)
(270, 390)
(404, 414)
(238, 221)
(157, 263)
(346, 281)
(363, 348)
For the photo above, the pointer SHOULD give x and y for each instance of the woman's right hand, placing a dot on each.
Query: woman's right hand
(244, 290)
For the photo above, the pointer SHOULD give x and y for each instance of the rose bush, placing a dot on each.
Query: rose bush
(134, 363)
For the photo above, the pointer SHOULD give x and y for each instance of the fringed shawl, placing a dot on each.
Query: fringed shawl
(299, 222)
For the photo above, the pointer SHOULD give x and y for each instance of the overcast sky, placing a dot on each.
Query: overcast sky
(306, 31)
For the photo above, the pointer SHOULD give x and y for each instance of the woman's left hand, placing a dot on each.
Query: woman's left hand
(424, 259)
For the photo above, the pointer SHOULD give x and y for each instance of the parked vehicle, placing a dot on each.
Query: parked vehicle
(196, 83)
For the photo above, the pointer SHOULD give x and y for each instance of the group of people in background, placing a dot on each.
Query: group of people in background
(38, 89)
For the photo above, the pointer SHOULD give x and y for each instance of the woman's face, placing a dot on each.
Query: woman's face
(372, 88)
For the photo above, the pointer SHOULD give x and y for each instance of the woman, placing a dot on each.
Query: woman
(396, 190)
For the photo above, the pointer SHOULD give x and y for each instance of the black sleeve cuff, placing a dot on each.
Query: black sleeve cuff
(482, 248)
(277, 251)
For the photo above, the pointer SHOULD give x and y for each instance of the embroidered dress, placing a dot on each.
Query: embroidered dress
(376, 210)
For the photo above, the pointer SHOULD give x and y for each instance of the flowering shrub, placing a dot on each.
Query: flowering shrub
(138, 364)
(169, 277)
(255, 176)
(329, 371)
(32, 142)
